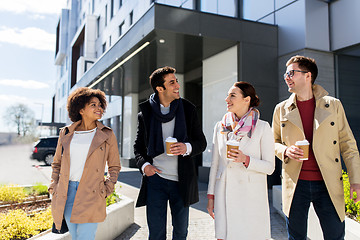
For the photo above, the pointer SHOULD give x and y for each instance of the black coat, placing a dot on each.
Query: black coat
(186, 165)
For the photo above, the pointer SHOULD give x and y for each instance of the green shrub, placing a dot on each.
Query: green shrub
(12, 193)
(352, 208)
(112, 198)
(40, 189)
(43, 220)
(15, 224)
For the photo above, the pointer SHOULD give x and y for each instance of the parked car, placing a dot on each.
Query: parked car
(44, 149)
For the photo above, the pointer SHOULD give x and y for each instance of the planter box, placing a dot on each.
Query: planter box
(119, 217)
(352, 228)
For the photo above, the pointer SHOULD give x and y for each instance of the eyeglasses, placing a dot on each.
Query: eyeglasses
(291, 73)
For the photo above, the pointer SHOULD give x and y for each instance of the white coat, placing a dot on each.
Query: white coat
(241, 204)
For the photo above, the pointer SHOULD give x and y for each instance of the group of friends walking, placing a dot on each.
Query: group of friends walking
(237, 189)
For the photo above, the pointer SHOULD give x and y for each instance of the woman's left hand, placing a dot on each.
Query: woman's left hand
(237, 155)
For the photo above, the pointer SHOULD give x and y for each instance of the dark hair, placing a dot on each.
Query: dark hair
(248, 90)
(157, 77)
(305, 64)
(80, 97)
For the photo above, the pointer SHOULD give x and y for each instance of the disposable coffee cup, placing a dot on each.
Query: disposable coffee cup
(169, 141)
(304, 145)
(230, 145)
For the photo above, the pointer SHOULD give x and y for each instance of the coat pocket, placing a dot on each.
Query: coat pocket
(219, 174)
(102, 189)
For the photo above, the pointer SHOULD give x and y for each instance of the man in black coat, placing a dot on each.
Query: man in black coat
(167, 178)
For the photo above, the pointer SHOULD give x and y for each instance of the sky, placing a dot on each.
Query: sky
(27, 53)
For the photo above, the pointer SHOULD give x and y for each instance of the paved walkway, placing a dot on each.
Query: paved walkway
(201, 225)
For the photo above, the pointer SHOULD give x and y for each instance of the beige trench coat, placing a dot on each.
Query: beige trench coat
(90, 199)
(241, 196)
(332, 136)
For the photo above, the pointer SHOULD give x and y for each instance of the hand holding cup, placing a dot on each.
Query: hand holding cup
(304, 146)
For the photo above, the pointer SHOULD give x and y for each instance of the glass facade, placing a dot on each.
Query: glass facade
(220, 7)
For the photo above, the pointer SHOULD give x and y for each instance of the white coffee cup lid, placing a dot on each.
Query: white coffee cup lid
(303, 142)
(232, 142)
(171, 139)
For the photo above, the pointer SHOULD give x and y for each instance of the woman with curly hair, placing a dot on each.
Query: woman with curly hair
(85, 147)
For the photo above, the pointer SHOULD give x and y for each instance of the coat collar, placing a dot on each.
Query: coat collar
(318, 91)
(101, 135)
(320, 114)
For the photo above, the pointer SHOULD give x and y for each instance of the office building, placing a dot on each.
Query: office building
(114, 45)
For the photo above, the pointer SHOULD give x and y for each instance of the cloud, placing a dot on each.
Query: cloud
(29, 84)
(12, 99)
(33, 6)
(31, 37)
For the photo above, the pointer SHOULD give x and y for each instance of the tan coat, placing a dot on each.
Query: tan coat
(332, 136)
(90, 199)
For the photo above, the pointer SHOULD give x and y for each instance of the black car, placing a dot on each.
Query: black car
(44, 149)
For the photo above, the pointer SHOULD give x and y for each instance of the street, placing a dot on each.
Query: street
(16, 167)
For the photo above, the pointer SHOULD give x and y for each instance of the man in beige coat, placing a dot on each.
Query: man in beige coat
(310, 114)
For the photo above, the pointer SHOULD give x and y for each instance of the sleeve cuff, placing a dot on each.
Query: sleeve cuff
(188, 149)
(211, 196)
(143, 167)
(247, 161)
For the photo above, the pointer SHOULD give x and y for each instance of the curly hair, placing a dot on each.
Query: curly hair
(80, 97)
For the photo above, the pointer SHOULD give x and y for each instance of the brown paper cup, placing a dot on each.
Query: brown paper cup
(305, 148)
(230, 145)
(169, 142)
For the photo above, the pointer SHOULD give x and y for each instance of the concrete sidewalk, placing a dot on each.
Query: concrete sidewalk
(201, 225)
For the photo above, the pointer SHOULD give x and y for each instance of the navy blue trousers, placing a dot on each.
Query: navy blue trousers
(315, 192)
(160, 191)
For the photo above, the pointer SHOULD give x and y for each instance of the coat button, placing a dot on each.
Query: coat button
(283, 125)
(94, 191)
(327, 105)
(336, 160)
(332, 123)
(340, 178)
(97, 170)
(334, 142)
(101, 148)
(102, 191)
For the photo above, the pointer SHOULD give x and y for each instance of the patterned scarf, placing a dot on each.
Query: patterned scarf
(237, 128)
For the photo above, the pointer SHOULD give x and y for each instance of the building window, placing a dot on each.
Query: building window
(105, 15)
(110, 41)
(120, 3)
(131, 17)
(98, 27)
(111, 9)
(121, 28)
(104, 47)
(93, 6)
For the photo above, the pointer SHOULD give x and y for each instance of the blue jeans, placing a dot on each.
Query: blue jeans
(315, 192)
(159, 192)
(78, 231)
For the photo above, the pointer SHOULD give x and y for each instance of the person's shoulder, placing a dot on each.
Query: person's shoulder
(330, 102)
(187, 103)
(263, 124)
(330, 99)
(282, 103)
(144, 104)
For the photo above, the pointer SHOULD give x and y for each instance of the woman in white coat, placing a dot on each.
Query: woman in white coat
(237, 191)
